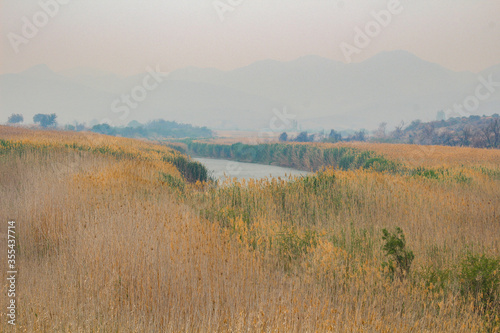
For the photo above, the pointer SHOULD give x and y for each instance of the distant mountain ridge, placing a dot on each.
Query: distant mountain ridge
(321, 93)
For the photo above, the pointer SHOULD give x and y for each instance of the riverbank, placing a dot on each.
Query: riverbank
(220, 169)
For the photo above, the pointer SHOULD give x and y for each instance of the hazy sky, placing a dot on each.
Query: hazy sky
(126, 36)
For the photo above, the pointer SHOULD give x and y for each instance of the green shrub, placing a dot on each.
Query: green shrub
(427, 173)
(291, 246)
(399, 258)
(173, 182)
(480, 280)
(192, 171)
(380, 164)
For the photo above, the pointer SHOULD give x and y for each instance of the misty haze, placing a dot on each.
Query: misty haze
(250, 166)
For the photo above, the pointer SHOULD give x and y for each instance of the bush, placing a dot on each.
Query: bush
(480, 280)
(291, 246)
(399, 258)
(172, 181)
(427, 173)
(192, 171)
(380, 164)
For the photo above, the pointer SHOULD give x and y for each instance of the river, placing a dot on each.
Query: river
(219, 169)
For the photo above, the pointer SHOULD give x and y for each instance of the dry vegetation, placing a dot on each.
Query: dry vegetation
(111, 238)
(432, 156)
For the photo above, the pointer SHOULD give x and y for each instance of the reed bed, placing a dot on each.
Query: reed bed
(109, 242)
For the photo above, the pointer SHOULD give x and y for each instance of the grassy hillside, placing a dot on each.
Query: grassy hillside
(123, 235)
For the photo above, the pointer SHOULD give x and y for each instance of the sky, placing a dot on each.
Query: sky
(127, 36)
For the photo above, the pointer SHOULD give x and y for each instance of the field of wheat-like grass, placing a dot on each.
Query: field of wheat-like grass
(124, 235)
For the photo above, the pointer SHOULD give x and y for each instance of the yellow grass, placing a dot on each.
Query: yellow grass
(432, 156)
(105, 245)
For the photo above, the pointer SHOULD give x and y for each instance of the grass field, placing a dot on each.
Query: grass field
(124, 235)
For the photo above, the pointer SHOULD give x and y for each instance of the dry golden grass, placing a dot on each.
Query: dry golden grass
(106, 246)
(431, 156)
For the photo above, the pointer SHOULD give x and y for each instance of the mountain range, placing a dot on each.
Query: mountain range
(319, 93)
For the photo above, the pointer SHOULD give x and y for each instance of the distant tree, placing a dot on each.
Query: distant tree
(134, 124)
(69, 127)
(45, 120)
(156, 129)
(495, 128)
(491, 133)
(381, 131)
(445, 138)
(283, 137)
(334, 136)
(15, 118)
(79, 127)
(302, 137)
(465, 136)
(104, 129)
(398, 130)
(428, 134)
(360, 135)
(413, 125)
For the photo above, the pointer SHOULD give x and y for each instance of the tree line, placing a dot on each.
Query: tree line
(154, 129)
(332, 137)
(472, 131)
(44, 120)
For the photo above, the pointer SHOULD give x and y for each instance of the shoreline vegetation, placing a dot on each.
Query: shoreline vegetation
(119, 234)
(404, 159)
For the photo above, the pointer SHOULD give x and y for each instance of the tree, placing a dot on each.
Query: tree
(428, 134)
(491, 133)
(302, 137)
(381, 131)
(104, 129)
(334, 136)
(495, 128)
(399, 258)
(283, 137)
(359, 136)
(79, 126)
(398, 130)
(45, 120)
(465, 136)
(15, 118)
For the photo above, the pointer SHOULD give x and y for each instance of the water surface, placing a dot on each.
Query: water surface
(219, 169)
